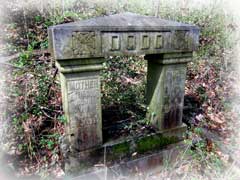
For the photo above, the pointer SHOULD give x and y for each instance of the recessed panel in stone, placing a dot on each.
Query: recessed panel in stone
(180, 40)
(131, 42)
(83, 99)
(83, 43)
(145, 42)
(115, 43)
(159, 41)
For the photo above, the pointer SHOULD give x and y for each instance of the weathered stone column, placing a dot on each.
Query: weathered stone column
(82, 105)
(165, 89)
(80, 85)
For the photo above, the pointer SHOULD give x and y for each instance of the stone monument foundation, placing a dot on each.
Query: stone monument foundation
(80, 49)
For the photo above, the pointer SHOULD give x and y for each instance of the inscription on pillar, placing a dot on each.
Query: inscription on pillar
(173, 96)
(84, 102)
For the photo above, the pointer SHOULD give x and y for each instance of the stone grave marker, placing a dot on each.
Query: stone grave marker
(79, 49)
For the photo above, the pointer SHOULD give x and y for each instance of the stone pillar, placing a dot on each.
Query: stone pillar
(165, 89)
(80, 85)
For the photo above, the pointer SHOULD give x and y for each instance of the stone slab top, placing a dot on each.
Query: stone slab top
(126, 22)
(121, 34)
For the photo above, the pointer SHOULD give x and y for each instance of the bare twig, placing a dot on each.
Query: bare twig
(5, 59)
(50, 85)
(9, 58)
(47, 115)
(11, 65)
(157, 9)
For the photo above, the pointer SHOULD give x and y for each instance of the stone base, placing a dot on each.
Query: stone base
(148, 165)
(177, 131)
(122, 150)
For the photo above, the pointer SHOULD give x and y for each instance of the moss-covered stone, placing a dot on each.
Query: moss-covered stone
(154, 142)
(121, 149)
(74, 165)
